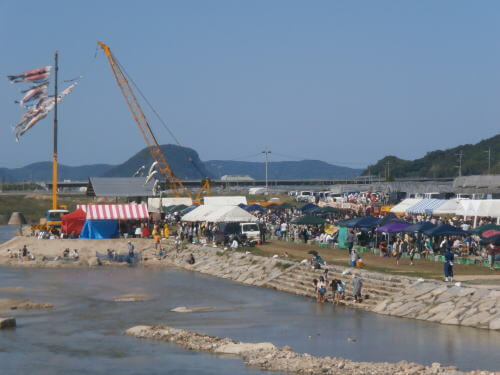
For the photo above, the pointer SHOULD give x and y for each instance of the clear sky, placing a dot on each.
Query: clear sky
(346, 82)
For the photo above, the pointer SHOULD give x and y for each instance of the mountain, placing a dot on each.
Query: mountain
(184, 161)
(443, 163)
(42, 171)
(282, 170)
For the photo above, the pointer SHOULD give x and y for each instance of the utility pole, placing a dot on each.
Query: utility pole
(489, 160)
(266, 152)
(460, 155)
(388, 170)
(54, 154)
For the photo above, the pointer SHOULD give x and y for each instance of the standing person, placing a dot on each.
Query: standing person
(491, 255)
(350, 240)
(334, 285)
(449, 257)
(24, 251)
(262, 232)
(354, 258)
(340, 291)
(356, 287)
(325, 275)
(403, 248)
(156, 239)
(321, 289)
(284, 230)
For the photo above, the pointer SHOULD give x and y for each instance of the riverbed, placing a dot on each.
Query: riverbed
(84, 331)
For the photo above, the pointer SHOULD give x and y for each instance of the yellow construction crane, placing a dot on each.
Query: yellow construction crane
(154, 148)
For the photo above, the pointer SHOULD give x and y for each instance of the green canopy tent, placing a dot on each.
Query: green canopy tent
(284, 206)
(326, 210)
(308, 220)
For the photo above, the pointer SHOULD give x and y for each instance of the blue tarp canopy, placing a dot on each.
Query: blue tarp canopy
(254, 207)
(99, 229)
(445, 230)
(419, 227)
(389, 218)
(363, 222)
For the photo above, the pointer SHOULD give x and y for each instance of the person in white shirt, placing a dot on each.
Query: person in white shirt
(234, 244)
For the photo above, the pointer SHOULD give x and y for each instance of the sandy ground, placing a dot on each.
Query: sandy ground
(88, 248)
(54, 248)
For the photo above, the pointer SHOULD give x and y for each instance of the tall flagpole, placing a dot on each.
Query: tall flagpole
(54, 154)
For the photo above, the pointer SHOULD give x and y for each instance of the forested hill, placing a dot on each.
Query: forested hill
(443, 163)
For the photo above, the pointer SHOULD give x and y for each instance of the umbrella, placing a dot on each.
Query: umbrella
(484, 228)
(309, 220)
(392, 227)
(495, 240)
(490, 233)
(419, 227)
(313, 252)
(445, 230)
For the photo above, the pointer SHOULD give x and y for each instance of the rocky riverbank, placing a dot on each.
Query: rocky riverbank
(270, 357)
(382, 293)
(386, 294)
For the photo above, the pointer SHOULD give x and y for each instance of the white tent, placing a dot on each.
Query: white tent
(199, 213)
(154, 204)
(468, 207)
(227, 214)
(224, 201)
(450, 207)
(488, 207)
(404, 205)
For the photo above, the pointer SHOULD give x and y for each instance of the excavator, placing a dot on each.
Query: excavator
(174, 183)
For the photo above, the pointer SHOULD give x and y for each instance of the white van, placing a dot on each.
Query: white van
(251, 230)
(304, 196)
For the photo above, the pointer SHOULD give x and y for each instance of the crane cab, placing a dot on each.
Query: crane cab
(54, 217)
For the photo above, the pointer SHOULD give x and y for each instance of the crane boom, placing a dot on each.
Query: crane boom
(154, 148)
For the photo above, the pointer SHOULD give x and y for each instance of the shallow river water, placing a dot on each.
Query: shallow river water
(84, 332)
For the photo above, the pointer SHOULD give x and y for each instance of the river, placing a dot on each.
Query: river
(84, 332)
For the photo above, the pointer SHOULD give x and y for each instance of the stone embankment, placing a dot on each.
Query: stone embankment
(269, 357)
(382, 293)
(435, 302)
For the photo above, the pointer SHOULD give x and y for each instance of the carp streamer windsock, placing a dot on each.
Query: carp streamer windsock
(39, 111)
(36, 75)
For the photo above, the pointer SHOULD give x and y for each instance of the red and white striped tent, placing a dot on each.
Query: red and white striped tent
(129, 211)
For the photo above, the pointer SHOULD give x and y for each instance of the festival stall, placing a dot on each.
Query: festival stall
(73, 222)
(102, 220)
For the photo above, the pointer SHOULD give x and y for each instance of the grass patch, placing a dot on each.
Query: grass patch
(282, 266)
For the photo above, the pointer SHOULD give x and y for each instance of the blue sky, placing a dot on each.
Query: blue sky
(346, 82)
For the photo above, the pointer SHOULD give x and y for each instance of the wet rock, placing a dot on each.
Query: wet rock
(94, 262)
(183, 309)
(7, 323)
(132, 297)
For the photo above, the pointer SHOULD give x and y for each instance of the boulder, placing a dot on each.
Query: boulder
(7, 323)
